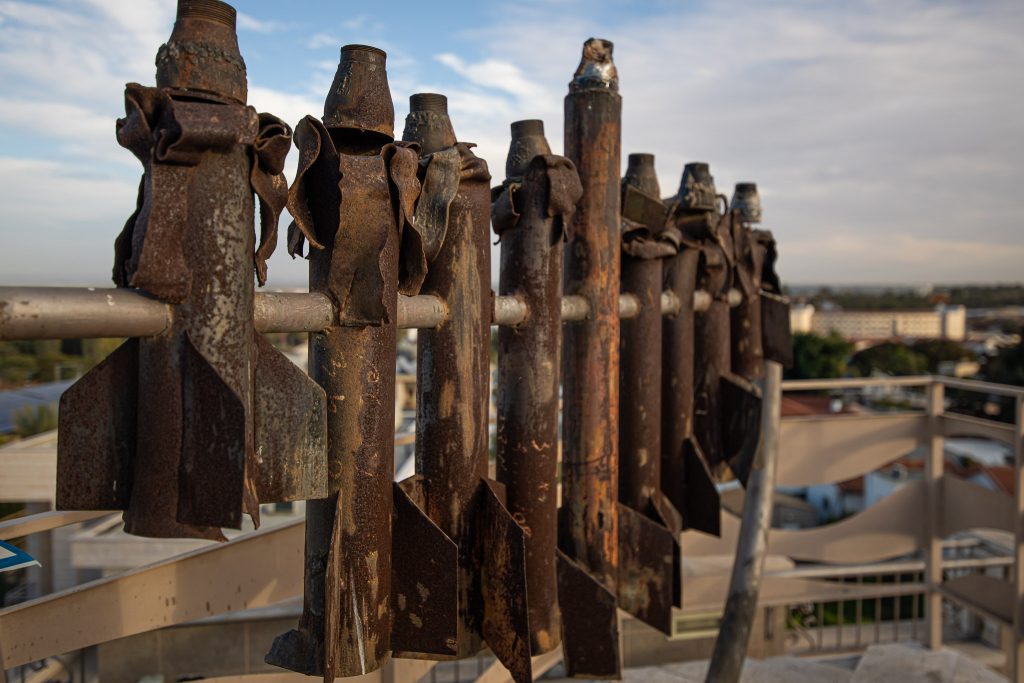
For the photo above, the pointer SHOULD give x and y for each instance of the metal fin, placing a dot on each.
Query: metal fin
(212, 478)
(96, 434)
(776, 336)
(290, 429)
(506, 619)
(646, 561)
(590, 626)
(741, 421)
(424, 582)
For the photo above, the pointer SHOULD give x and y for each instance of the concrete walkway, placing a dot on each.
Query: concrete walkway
(895, 663)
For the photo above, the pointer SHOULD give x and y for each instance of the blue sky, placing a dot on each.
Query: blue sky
(884, 134)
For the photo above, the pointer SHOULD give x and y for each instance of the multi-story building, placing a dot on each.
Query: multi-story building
(942, 322)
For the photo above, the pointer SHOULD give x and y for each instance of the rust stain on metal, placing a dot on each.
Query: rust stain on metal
(588, 518)
(590, 642)
(531, 211)
(647, 583)
(452, 387)
(211, 431)
(352, 201)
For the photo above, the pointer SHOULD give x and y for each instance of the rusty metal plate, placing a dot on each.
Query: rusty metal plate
(646, 559)
(506, 621)
(670, 518)
(776, 336)
(701, 502)
(212, 476)
(424, 582)
(741, 424)
(291, 429)
(590, 626)
(96, 434)
(642, 208)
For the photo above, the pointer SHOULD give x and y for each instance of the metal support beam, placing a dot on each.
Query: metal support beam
(745, 584)
(86, 313)
(934, 465)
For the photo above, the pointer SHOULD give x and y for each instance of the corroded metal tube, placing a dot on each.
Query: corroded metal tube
(529, 213)
(588, 519)
(347, 198)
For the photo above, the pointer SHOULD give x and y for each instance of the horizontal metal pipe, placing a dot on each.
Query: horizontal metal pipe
(88, 312)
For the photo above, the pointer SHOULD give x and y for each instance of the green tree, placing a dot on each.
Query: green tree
(938, 351)
(30, 420)
(1007, 366)
(817, 357)
(892, 358)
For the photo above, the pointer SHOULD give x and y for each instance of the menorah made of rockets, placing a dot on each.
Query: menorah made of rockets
(646, 321)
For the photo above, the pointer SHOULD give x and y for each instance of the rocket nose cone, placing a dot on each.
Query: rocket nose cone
(640, 174)
(202, 57)
(747, 201)
(527, 142)
(697, 187)
(360, 98)
(428, 123)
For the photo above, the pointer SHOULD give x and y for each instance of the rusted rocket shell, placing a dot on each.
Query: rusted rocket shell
(588, 519)
(359, 100)
(531, 212)
(187, 430)
(452, 391)
(649, 565)
(355, 208)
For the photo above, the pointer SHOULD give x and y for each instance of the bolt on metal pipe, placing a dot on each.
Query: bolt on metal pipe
(588, 518)
(531, 211)
(196, 423)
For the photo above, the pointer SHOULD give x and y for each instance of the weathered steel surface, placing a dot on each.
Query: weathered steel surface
(452, 389)
(685, 477)
(530, 211)
(590, 629)
(423, 600)
(352, 201)
(646, 581)
(588, 518)
(198, 447)
(590, 464)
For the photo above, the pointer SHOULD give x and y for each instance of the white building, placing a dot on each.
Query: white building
(943, 322)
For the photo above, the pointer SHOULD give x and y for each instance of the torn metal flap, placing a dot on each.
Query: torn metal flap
(504, 212)
(424, 580)
(313, 198)
(402, 161)
(590, 627)
(96, 434)
(702, 504)
(271, 187)
(564, 189)
(506, 619)
(441, 172)
(290, 429)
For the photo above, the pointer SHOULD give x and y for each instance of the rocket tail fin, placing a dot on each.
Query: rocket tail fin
(741, 424)
(211, 484)
(646, 564)
(424, 580)
(96, 437)
(506, 619)
(290, 429)
(590, 627)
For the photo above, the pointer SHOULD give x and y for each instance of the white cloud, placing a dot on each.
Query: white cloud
(246, 22)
